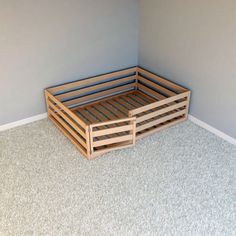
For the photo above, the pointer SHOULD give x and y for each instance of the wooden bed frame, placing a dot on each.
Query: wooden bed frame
(111, 111)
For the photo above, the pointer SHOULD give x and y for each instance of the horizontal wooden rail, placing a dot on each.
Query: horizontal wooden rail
(159, 121)
(132, 119)
(160, 80)
(112, 130)
(160, 127)
(158, 103)
(168, 92)
(69, 136)
(66, 110)
(94, 88)
(151, 92)
(66, 126)
(67, 119)
(91, 80)
(113, 140)
(162, 111)
(98, 95)
(109, 149)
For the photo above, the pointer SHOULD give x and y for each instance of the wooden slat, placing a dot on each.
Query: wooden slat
(83, 118)
(69, 136)
(98, 95)
(146, 97)
(66, 110)
(113, 140)
(89, 117)
(108, 117)
(72, 132)
(118, 106)
(151, 100)
(67, 119)
(151, 92)
(95, 87)
(106, 99)
(114, 110)
(114, 121)
(135, 103)
(132, 102)
(168, 92)
(125, 104)
(158, 103)
(143, 102)
(160, 127)
(100, 116)
(160, 112)
(92, 120)
(165, 82)
(138, 99)
(112, 130)
(159, 121)
(105, 112)
(103, 108)
(103, 151)
(91, 80)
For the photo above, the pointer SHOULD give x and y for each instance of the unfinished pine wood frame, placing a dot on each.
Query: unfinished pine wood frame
(110, 111)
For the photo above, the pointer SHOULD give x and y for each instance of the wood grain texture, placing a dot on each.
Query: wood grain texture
(111, 119)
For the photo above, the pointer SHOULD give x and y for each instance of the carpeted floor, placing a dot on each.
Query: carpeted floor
(181, 181)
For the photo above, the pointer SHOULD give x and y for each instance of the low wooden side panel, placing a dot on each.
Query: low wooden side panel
(112, 135)
(161, 114)
(69, 124)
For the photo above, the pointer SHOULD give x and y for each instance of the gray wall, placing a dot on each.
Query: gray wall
(47, 42)
(193, 43)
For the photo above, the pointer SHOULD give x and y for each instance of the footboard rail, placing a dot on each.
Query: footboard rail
(111, 135)
(68, 123)
(161, 114)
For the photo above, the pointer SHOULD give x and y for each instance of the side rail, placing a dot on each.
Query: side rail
(161, 114)
(71, 125)
(112, 135)
(83, 91)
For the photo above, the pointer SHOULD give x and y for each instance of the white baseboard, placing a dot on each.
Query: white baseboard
(190, 117)
(23, 122)
(212, 129)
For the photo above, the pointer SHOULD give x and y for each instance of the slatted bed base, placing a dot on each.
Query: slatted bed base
(111, 111)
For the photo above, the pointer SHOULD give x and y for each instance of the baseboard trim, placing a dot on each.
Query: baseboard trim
(23, 122)
(212, 130)
(190, 117)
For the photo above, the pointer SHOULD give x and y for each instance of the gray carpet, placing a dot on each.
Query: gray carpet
(181, 181)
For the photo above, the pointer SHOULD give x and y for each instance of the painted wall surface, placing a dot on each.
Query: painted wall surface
(43, 43)
(193, 43)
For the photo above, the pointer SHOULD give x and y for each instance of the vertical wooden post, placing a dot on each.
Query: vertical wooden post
(46, 101)
(136, 79)
(187, 106)
(133, 132)
(89, 139)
